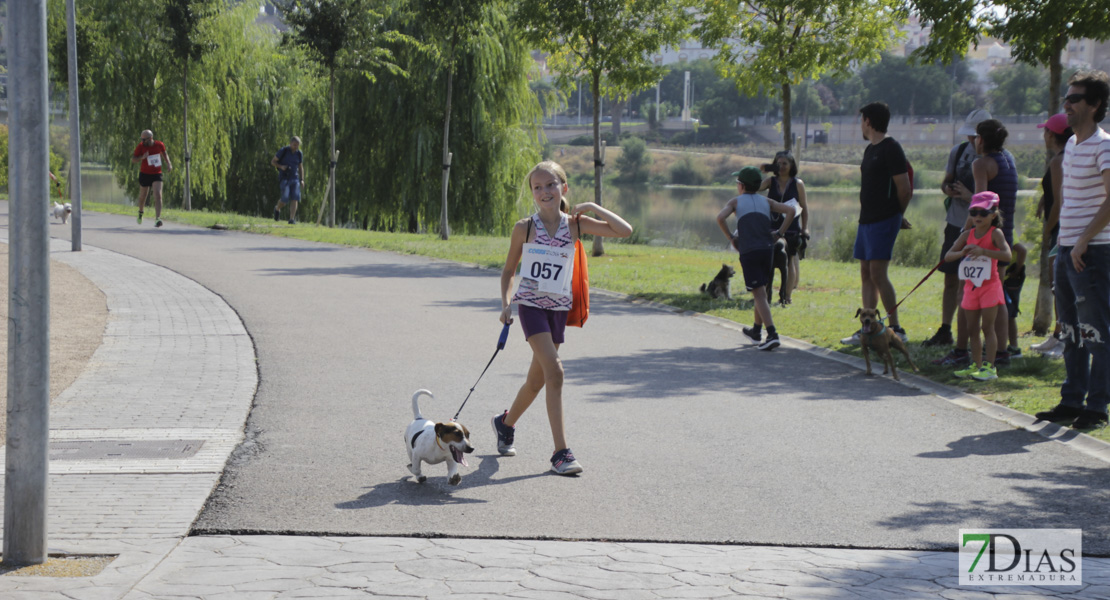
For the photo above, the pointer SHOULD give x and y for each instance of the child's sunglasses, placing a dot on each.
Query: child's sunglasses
(980, 212)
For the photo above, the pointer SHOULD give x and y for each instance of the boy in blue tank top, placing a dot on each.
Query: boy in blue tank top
(754, 241)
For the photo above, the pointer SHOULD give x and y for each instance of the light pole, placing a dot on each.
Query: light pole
(74, 128)
(25, 475)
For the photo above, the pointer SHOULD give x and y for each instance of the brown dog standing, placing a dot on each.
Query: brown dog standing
(875, 334)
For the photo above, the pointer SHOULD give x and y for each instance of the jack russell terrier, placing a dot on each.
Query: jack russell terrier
(433, 443)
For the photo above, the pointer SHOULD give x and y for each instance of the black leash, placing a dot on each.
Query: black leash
(500, 346)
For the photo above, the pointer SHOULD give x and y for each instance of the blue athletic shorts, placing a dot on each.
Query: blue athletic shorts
(875, 241)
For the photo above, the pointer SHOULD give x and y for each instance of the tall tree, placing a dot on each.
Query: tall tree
(342, 35)
(608, 41)
(395, 126)
(183, 21)
(779, 43)
(454, 23)
(1018, 89)
(130, 81)
(1038, 31)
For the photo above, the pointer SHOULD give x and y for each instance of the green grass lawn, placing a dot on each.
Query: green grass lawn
(822, 313)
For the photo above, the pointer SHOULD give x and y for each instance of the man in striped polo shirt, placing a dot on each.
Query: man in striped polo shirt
(1083, 264)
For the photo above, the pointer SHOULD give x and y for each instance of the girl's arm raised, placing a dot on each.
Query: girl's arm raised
(610, 225)
(956, 252)
(508, 272)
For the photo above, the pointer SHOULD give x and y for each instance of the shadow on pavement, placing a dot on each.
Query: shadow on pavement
(1011, 441)
(381, 271)
(691, 370)
(435, 491)
(1072, 497)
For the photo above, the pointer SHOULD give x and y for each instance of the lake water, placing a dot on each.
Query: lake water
(682, 217)
(686, 217)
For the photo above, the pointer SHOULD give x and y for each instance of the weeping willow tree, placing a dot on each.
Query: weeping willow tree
(395, 128)
(130, 81)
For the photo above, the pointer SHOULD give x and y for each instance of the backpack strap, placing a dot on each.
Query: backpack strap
(528, 234)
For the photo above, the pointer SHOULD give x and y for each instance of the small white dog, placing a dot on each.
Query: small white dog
(62, 211)
(433, 443)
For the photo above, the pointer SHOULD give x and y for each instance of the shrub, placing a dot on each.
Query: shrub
(634, 160)
(687, 171)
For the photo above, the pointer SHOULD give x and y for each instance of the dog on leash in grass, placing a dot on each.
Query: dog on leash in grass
(720, 287)
(61, 211)
(433, 443)
(875, 335)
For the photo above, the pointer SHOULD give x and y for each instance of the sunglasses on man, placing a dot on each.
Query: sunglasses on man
(1074, 98)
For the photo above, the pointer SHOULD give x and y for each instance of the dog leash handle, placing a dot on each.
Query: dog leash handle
(504, 337)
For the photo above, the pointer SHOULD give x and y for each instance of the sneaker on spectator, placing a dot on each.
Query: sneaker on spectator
(852, 340)
(1015, 351)
(901, 333)
(1059, 414)
(986, 373)
(1090, 419)
(943, 337)
(1002, 359)
(505, 435)
(967, 372)
(771, 342)
(1050, 343)
(755, 335)
(563, 463)
(1056, 352)
(955, 358)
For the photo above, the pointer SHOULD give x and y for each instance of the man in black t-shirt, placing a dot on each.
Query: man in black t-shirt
(884, 193)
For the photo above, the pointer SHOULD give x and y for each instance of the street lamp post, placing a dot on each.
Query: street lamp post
(25, 474)
(74, 128)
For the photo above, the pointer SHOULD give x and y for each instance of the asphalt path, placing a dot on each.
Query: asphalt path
(686, 432)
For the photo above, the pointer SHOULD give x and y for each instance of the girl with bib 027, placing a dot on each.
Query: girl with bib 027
(979, 249)
(543, 244)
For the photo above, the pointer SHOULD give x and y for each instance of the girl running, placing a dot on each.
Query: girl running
(980, 248)
(544, 298)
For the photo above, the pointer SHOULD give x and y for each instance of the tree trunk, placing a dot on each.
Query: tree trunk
(787, 137)
(331, 167)
(1042, 313)
(616, 107)
(444, 229)
(599, 167)
(188, 197)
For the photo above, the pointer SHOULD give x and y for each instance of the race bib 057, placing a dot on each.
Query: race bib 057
(548, 266)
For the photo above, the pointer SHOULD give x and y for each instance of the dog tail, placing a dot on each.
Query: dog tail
(416, 405)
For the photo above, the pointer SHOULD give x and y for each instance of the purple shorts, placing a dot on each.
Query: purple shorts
(540, 320)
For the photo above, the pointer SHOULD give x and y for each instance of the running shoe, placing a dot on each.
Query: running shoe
(292, 221)
(967, 372)
(277, 215)
(158, 223)
(1090, 419)
(1015, 351)
(1055, 352)
(770, 343)
(852, 340)
(986, 373)
(943, 337)
(1049, 343)
(755, 335)
(955, 358)
(1059, 414)
(504, 434)
(901, 333)
(1002, 359)
(140, 219)
(563, 463)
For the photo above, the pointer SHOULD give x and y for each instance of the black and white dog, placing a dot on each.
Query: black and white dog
(433, 443)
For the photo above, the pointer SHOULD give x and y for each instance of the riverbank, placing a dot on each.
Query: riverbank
(822, 313)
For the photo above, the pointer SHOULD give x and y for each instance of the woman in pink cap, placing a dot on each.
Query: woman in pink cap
(979, 249)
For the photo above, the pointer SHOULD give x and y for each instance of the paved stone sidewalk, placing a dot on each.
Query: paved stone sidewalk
(273, 567)
(175, 371)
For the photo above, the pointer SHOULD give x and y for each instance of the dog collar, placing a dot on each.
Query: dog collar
(879, 332)
(437, 443)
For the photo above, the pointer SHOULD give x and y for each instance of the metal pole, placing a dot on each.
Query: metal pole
(579, 84)
(657, 88)
(74, 128)
(25, 474)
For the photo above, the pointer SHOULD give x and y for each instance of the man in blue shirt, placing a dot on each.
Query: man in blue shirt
(290, 165)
